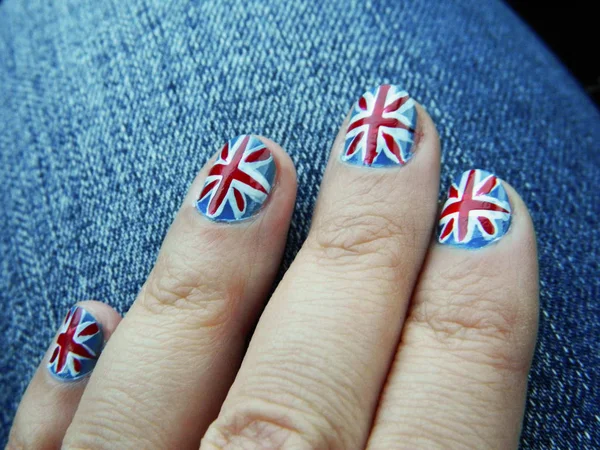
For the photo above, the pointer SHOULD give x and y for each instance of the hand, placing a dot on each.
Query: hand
(378, 336)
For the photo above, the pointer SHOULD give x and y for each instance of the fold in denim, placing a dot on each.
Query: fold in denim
(108, 109)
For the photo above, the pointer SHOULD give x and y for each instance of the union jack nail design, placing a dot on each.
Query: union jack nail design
(381, 129)
(477, 211)
(239, 181)
(77, 346)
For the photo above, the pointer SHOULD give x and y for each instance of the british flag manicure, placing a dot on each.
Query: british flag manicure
(239, 181)
(381, 129)
(477, 211)
(77, 347)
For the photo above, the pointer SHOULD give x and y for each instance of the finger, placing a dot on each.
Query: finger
(164, 375)
(313, 371)
(51, 399)
(460, 374)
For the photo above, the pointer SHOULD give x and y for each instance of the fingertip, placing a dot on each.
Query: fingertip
(50, 402)
(241, 179)
(285, 185)
(426, 134)
(486, 225)
(104, 314)
(285, 165)
(522, 223)
(486, 232)
(80, 340)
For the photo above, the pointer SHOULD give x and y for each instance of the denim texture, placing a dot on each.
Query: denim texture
(109, 108)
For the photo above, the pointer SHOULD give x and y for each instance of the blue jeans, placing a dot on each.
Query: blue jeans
(108, 109)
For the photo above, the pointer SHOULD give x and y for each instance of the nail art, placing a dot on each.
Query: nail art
(77, 346)
(381, 129)
(239, 182)
(477, 211)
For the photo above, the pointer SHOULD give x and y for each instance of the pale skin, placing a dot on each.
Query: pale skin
(378, 337)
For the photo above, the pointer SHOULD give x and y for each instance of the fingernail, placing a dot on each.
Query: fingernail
(477, 211)
(239, 181)
(381, 129)
(77, 346)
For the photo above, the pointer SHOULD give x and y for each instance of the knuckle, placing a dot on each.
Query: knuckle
(260, 424)
(253, 432)
(177, 286)
(479, 313)
(294, 406)
(465, 316)
(111, 426)
(348, 236)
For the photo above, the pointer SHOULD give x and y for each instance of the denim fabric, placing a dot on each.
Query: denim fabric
(108, 109)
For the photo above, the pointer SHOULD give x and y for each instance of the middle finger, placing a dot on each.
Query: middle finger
(314, 369)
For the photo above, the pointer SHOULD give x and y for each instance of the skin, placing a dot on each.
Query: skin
(377, 337)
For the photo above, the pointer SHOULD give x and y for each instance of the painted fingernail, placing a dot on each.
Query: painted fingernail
(239, 182)
(477, 211)
(381, 129)
(77, 346)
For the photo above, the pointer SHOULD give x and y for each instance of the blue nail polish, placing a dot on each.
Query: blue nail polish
(77, 346)
(239, 182)
(381, 129)
(477, 211)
